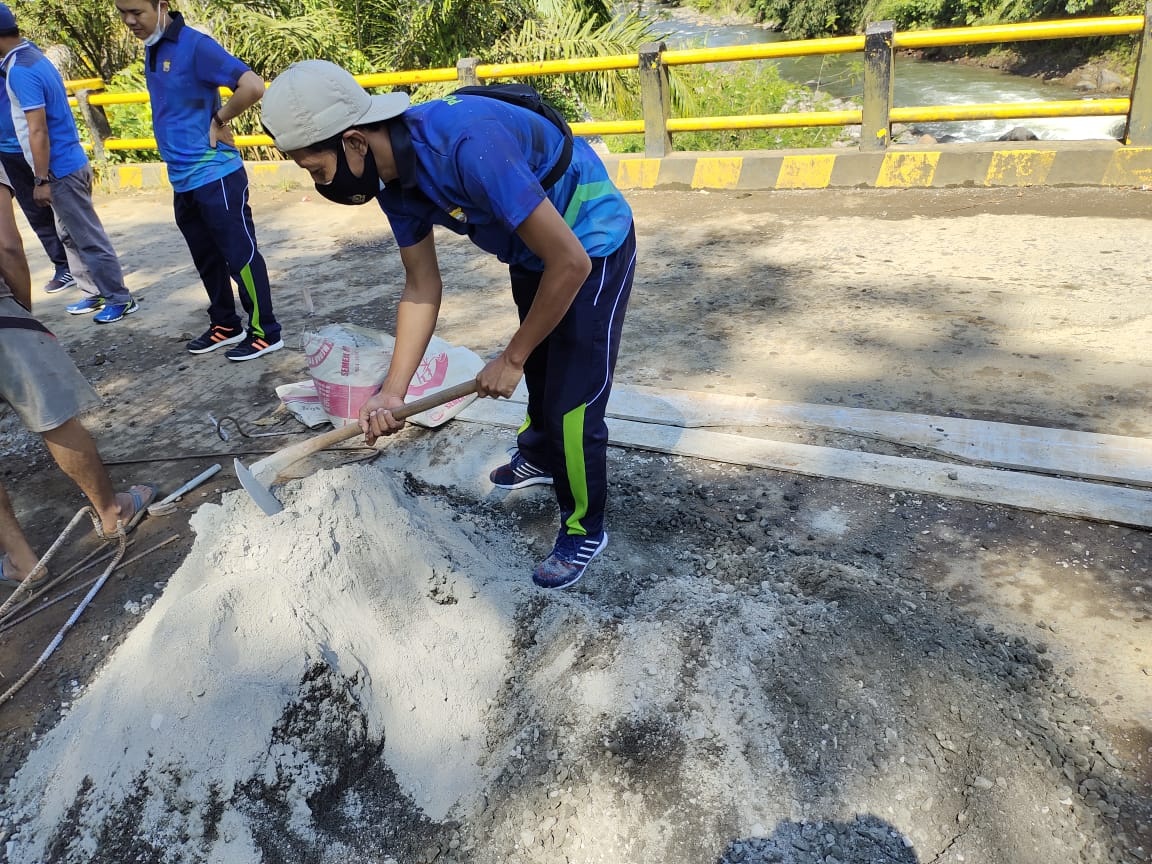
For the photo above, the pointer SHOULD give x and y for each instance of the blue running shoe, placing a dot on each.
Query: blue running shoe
(83, 307)
(569, 559)
(518, 473)
(115, 311)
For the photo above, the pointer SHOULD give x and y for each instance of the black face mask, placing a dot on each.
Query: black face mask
(345, 187)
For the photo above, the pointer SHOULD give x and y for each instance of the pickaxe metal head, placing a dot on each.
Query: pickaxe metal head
(259, 493)
(270, 467)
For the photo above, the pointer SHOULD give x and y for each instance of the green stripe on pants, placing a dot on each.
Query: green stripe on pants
(574, 461)
(250, 287)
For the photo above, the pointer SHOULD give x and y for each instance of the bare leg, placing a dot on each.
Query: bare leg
(75, 452)
(21, 557)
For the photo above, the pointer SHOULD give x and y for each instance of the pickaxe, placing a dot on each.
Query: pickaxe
(257, 479)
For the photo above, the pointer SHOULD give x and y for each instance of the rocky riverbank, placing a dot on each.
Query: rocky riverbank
(1067, 64)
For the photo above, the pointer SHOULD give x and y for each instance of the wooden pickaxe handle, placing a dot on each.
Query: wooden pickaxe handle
(270, 466)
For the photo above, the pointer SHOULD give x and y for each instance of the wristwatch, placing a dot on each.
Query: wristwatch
(41, 181)
(218, 120)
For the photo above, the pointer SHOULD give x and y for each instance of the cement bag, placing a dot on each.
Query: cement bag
(348, 364)
(300, 398)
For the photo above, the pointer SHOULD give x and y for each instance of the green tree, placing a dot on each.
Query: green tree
(378, 35)
(742, 88)
(564, 30)
(270, 35)
(806, 19)
(91, 30)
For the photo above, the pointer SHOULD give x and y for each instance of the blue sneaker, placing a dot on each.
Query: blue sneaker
(569, 559)
(518, 473)
(83, 307)
(115, 311)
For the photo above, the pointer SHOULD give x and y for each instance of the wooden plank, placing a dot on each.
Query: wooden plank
(1043, 494)
(1088, 455)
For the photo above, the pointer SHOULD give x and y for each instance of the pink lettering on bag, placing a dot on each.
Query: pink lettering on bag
(429, 375)
(320, 354)
(340, 400)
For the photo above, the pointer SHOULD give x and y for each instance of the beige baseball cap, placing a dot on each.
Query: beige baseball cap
(313, 100)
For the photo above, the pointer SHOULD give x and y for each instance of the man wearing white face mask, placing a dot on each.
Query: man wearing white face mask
(184, 70)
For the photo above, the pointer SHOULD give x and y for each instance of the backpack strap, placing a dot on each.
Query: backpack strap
(561, 166)
(529, 98)
(11, 322)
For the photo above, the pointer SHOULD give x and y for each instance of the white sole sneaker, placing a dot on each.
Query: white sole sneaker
(223, 343)
(252, 355)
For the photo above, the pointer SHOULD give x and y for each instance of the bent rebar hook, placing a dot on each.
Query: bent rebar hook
(224, 435)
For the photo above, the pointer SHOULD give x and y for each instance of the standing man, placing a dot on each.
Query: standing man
(42, 384)
(185, 70)
(42, 219)
(521, 189)
(62, 177)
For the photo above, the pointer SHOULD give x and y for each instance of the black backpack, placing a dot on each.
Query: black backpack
(528, 97)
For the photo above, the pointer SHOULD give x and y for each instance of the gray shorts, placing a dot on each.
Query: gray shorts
(37, 377)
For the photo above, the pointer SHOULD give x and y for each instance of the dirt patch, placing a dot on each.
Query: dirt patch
(762, 668)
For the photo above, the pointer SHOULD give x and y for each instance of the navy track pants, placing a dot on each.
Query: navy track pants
(216, 222)
(569, 378)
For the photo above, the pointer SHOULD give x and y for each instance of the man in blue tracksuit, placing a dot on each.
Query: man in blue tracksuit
(184, 70)
(61, 175)
(521, 189)
(41, 219)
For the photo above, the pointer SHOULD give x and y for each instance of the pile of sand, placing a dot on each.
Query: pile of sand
(280, 646)
(370, 639)
(371, 677)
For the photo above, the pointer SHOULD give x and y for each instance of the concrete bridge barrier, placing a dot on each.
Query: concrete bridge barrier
(1031, 163)
(1027, 163)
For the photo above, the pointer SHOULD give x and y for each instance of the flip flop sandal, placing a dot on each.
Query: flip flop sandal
(140, 503)
(7, 581)
(140, 507)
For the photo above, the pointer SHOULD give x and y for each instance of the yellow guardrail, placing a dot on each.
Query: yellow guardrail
(84, 84)
(1122, 25)
(664, 59)
(1013, 111)
(533, 68)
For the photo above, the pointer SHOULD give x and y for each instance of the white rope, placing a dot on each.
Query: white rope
(45, 585)
(120, 538)
(41, 567)
(7, 625)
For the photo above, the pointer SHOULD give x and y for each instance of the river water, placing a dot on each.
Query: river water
(917, 82)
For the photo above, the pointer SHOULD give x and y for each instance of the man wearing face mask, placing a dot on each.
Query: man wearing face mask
(184, 70)
(62, 177)
(521, 189)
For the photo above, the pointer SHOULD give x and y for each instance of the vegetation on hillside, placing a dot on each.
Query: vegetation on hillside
(806, 19)
(388, 35)
(810, 18)
(744, 88)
